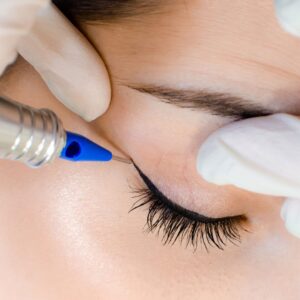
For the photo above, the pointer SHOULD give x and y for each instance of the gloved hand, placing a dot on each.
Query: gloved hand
(261, 154)
(70, 66)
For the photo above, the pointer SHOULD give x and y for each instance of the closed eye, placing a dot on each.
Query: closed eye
(178, 223)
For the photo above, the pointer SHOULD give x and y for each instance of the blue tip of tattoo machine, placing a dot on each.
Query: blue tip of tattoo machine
(79, 148)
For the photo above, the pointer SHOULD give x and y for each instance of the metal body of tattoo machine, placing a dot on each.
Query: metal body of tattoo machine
(36, 137)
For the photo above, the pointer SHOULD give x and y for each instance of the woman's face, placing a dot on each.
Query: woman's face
(65, 229)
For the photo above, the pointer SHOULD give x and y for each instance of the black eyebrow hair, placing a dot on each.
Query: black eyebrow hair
(109, 11)
(220, 104)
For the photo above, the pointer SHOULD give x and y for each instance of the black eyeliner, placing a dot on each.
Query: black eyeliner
(177, 223)
(176, 207)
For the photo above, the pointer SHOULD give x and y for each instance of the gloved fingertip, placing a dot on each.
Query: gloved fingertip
(89, 102)
(100, 106)
(290, 213)
(213, 163)
(6, 60)
(92, 111)
(287, 12)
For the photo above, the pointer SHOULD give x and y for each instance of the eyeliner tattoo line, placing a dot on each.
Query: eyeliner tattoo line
(178, 223)
(179, 209)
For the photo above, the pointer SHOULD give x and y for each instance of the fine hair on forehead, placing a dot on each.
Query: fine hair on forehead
(108, 11)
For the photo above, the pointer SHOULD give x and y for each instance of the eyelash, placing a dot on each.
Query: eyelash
(174, 226)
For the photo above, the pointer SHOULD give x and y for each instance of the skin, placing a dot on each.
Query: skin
(65, 231)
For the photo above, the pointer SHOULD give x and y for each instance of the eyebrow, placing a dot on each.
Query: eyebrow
(219, 104)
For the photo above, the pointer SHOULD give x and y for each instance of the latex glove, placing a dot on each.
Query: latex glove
(69, 65)
(260, 155)
(288, 14)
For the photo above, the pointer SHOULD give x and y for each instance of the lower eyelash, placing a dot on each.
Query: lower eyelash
(176, 227)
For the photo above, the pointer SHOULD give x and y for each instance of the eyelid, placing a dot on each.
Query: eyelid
(175, 225)
(178, 208)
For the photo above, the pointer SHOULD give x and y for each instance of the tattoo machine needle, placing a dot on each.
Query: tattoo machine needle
(36, 137)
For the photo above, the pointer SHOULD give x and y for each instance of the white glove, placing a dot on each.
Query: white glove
(70, 66)
(260, 155)
(288, 14)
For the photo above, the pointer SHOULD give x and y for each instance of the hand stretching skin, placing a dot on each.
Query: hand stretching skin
(261, 154)
(69, 65)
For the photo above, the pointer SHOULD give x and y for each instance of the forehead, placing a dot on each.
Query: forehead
(198, 42)
(189, 28)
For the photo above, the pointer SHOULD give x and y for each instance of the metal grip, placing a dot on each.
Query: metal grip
(32, 136)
